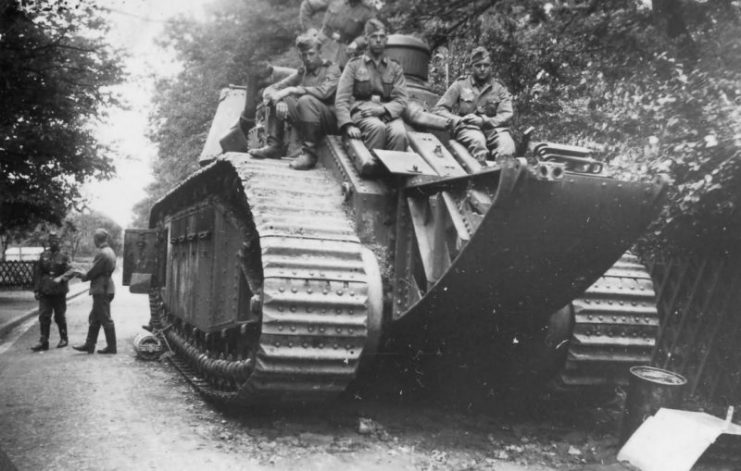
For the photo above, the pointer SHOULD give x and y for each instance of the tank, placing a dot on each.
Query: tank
(278, 286)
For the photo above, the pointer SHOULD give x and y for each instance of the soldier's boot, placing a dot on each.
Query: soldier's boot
(63, 340)
(92, 339)
(307, 159)
(273, 150)
(110, 340)
(481, 157)
(41, 346)
(44, 339)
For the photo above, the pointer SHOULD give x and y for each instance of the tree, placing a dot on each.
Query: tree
(57, 73)
(655, 90)
(214, 54)
(79, 230)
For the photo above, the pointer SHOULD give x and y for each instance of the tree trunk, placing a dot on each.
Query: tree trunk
(3, 246)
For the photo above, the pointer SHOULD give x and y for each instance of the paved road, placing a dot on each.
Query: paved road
(64, 410)
(18, 305)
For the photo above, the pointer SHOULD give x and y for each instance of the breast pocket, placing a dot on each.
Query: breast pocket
(388, 86)
(362, 85)
(466, 106)
(490, 108)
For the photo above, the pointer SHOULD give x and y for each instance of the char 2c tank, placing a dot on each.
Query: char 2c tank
(278, 286)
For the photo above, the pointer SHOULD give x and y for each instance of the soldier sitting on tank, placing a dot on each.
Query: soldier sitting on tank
(372, 95)
(481, 108)
(341, 30)
(305, 99)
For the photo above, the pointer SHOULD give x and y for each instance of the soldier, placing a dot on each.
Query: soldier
(102, 291)
(305, 99)
(372, 95)
(341, 32)
(481, 108)
(50, 289)
(308, 10)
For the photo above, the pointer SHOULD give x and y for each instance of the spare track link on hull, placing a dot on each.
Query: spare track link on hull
(615, 327)
(321, 302)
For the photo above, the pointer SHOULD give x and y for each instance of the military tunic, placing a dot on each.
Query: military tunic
(364, 82)
(52, 295)
(493, 103)
(314, 105)
(102, 288)
(307, 11)
(342, 24)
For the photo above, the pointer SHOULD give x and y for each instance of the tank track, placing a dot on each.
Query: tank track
(615, 324)
(321, 297)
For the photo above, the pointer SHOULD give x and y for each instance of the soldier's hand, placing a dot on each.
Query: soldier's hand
(281, 110)
(372, 109)
(36, 295)
(353, 132)
(267, 97)
(473, 120)
(454, 122)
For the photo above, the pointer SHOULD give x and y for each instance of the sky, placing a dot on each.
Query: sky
(135, 26)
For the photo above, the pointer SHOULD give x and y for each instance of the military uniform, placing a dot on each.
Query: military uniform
(343, 23)
(102, 290)
(312, 110)
(363, 82)
(493, 103)
(52, 295)
(308, 10)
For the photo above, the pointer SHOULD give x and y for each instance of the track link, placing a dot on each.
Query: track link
(615, 326)
(320, 295)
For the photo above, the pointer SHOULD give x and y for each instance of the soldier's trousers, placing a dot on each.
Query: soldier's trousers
(378, 134)
(56, 303)
(483, 144)
(100, 316)
(303, 110)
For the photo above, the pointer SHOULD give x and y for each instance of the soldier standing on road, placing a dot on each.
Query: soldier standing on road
(372, 95)
(50, 289)
(102, 291)
(481, 108)
(341, 31)
(305, 99)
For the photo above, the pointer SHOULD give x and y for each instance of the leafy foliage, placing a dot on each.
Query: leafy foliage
(214, 54)
(653, 86)
(57, 70)
(79, 228)
(654, 90)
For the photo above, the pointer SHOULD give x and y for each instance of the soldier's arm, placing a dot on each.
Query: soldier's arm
(37, 276)
(343, 98)
(327, 88)
(504, 111)
(275, 91)
(447, 102)
(308, 9)
(399, 96)
(99, 268)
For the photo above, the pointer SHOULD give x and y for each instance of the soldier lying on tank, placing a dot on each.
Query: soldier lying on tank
(481, 108)
(372, 95)
(305, 99)
(341, 31)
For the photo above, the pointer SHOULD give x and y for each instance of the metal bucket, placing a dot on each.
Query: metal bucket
(649, 390)
(147, 346)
